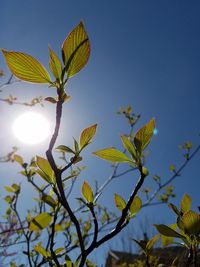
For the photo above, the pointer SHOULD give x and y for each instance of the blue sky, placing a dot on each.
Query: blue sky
(144, 53)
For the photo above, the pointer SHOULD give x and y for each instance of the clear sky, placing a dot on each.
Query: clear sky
(144, 53)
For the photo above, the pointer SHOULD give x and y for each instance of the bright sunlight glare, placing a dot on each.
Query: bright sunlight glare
(31, 128)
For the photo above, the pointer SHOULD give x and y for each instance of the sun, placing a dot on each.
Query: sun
(31, 128)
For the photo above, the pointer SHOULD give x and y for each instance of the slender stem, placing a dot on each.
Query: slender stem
(58, 172)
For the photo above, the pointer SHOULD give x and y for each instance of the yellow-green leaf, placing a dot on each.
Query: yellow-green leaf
(119, 202)
(191, 222)
(112, 154)
(18, 159)
(143, 136)
(9, 189)
(76, 50)
(45, 170)
(55, 64)
(87, 135)
(87, 192)
(40, 222)
(186, 203)
(135, 206)
(26, 67)
(166, 240)
(129, 146)
(152, 242)
(49, 200)
(42, 251)
(64, 149)
(167, 231)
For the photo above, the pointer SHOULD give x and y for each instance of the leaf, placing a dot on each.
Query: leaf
(40, 222)
(119, 202)
(51, 99)
(58, 251)
(191, 222)
(166, 240)
(129, 147)
(112, 154)
(152, 242)
(26, 67)
(45, 171)
(135, 206)
(9, 189)
(76, 50)
(55, 64)
(87, 192)
(64, 149)
(186, 203)
(167, 231)
(174, 208)
(141, 244)
(39, 249)
(49, 200)
(87, 135)
(18, 159)
(143, 136)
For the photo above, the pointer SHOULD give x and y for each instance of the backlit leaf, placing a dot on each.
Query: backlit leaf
(26, 67)
(64, 149)
(143, 136)
(46, 169)
(186, 203)
(129, 146)
(87, 135)
(55, 64)
(112, 154)
(87, 192)
(191, 222)
(119, 202)
(76, 50)
(135, 205)
(166, 240)
(152, 242)
(18, 159)
(39, 249)
(49, 200)
(167, 231)
(40, 222)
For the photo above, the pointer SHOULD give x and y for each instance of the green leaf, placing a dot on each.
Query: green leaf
(64, 149)
(191, 222)
(87, 192)
(18, 159)
(186, 203)
(166, 240)
(40, 222)
(45, 170)
(152, 242)
(174, 208)
(167, 231)
(112, 154)
(87, 135)
(143, 136)
(76, 50)
(49, 200)
(135, 206)
(129, 147)
(42, 251)
(26, 67)
(58, 251)
(55, 64)
(119, 202)
(9, 189)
